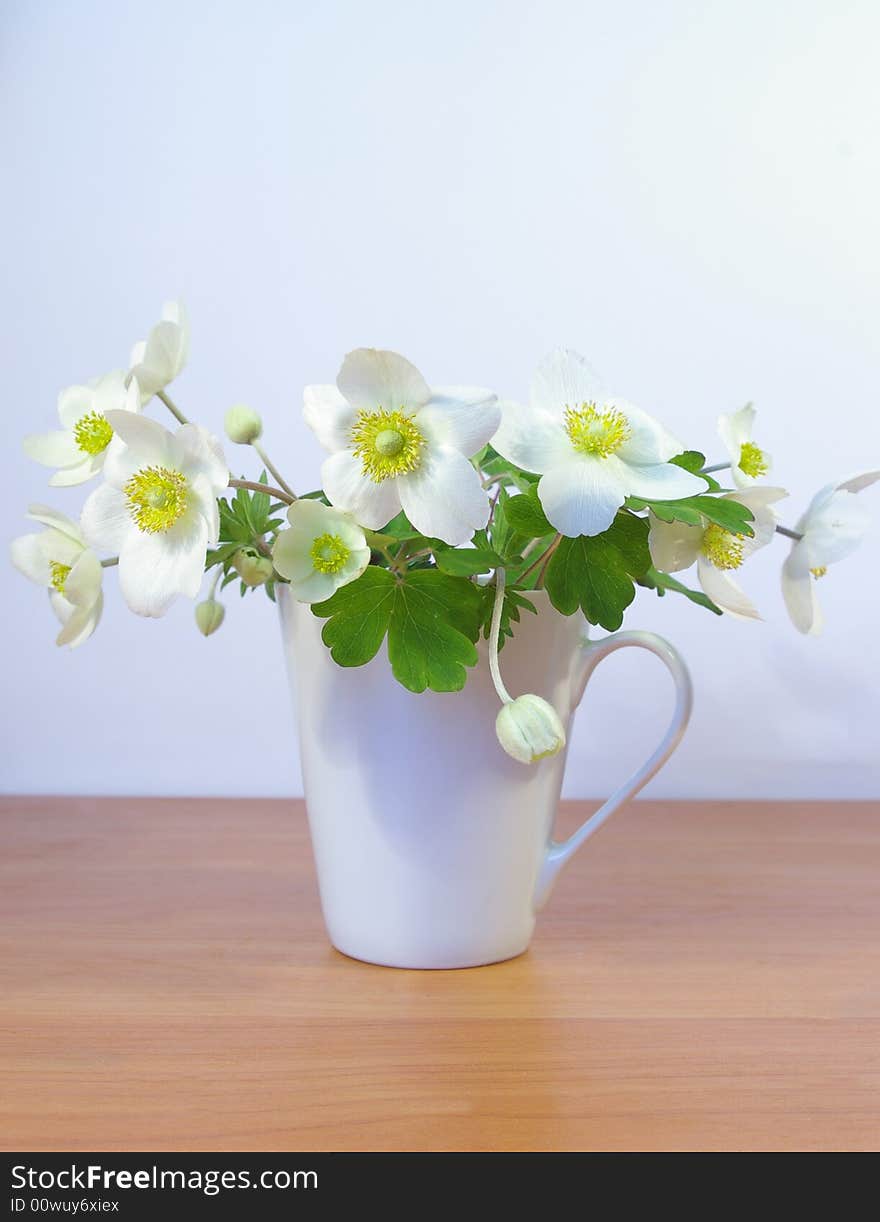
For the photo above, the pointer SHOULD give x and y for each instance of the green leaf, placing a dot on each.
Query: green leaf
(697, 510)
(595, 572)
(654, 579)
(432, 621)
(359, 614)
(401, 528)
(694, 461)
(525, 515)
(466, 561)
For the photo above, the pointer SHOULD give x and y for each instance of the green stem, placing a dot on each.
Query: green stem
(109, 562)
(718, 466)
(175, 411)
(789, 534)
(273, 470)
(545, 555)
(255, 487)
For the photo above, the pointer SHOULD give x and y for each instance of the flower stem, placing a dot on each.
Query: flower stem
(494, 669)
(544, 556)
(175, 411)
(789, 534)
(109, 562)
(255, 487)
(217, 577)
(718, 466)
(273, 470)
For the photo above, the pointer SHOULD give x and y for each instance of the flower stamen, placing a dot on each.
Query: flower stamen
(819, 571)
(329, 554)
(59, 573)
(387, 443)
(722, 548)
(92, 433)
(595, 431)
(752, 460)
(157, 498)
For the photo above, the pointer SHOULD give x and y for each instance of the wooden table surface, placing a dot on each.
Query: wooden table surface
(706, 976)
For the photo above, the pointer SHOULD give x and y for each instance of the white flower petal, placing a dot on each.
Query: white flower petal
(31, 557)
(564, 379)
(106, 521)
(74, 402)
(799, 595)
(372, 377)
(663, 482)
(444, 497)
(673, 545)
(57, 521)
(760, 500)
(532, 438)
(649, 442)
(462, 417)
(835, 531)
(82, 586)
(291, 554)
(855, 483)
(724, 591)
(329, 415)
(81, 623)
(203, 455)
(346, 486)
(109, 392)
(81, 473)
(582, 496)
(736, 429)
(55, 449)
(155, 568)
(149, 442)
(314, 587)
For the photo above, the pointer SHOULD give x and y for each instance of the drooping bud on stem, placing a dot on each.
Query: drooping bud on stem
(209, 616)
(528, 728)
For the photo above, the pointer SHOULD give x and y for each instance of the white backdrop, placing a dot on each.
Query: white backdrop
(687, 193)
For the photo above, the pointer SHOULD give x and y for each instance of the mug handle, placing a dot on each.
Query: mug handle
(558, 853)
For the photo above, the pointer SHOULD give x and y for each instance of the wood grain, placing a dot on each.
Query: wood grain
(707, 976)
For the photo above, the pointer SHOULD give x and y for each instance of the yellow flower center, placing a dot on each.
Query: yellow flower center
(600, 432)
(752, 460)
(92, 433)
(58, 574)
(820, 571)
(329, 554)
(157, 498)
(387, 443)
(722, 547)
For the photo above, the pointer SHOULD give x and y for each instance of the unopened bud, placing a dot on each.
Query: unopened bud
(529, 729)
(243, 425)
(209, 616)
(252, 568)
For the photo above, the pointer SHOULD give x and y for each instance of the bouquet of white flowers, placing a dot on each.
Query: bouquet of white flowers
(440, 511)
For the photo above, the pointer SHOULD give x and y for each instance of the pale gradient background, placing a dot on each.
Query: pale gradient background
(689, 193)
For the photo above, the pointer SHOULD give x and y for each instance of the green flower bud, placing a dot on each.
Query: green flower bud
(243, 425)
(252, 568)
(209, 616)
(529, 729)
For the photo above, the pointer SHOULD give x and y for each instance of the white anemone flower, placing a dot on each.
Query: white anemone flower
(831, 529)
(718, 552)
(591, 449)
(748, 462)
(322, 550)
(59, 559)
(78, 449)
(158, 359)
(394, 443)
(157, 509)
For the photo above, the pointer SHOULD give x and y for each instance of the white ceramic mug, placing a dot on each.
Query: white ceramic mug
(434, 848)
